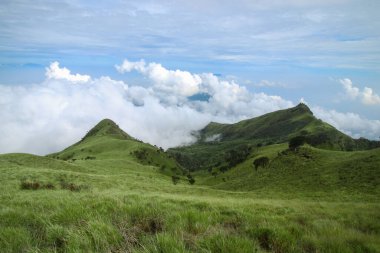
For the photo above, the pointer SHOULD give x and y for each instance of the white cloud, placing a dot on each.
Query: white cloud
(367, 96)
(54, 114)
(128, 66)
(303, 101)
(349, 123)
(49, 116)
(170, 81)
(215, 137)
(55, 72)
(227, 98)
(351, 91)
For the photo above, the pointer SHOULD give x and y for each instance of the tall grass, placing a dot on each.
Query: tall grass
(130, 207)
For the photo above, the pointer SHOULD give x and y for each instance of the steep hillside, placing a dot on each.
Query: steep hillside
(216, 140)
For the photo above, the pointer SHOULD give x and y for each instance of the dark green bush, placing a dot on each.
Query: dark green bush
(237, 155)
(190, 179)
(35, 185)
(30, 185)
(262, 161)
(296, 142)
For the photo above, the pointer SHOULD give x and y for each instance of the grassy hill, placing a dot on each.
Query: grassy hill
(112, 193)
(215, 140)
(305, 172)
(106, 141)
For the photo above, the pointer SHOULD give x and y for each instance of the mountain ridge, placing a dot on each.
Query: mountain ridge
(215, 140)
(279, 126)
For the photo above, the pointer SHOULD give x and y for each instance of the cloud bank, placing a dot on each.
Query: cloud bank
(366, 96)
(49, 116)
(349, 123)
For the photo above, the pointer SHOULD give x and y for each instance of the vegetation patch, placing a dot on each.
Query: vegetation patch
(71, 186)
(35, 185)
(261, 162)
(175, 179)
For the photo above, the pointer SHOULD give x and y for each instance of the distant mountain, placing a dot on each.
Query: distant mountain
(273, 128)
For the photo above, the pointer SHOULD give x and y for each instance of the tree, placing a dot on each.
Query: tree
(262, 161)
(296, 142)
(235, 156)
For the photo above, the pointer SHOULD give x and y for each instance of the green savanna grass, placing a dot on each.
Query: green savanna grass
(326, 203)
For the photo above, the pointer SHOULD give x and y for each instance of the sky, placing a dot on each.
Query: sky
(163, 69)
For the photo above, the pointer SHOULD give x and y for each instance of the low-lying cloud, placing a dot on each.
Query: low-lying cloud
(49, 116)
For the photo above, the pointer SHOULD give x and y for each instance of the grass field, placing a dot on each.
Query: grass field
(119, 205)
(112, 193)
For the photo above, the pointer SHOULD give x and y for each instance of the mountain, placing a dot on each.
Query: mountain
(215, 140)
(106, 141)
(107, 127)
(280, 126)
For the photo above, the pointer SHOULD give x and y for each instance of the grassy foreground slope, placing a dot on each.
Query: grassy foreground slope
(122, 201)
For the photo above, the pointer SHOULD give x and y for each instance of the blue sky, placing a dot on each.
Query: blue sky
(292, 49)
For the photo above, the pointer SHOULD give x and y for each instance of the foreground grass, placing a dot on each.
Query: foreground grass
(123, 206)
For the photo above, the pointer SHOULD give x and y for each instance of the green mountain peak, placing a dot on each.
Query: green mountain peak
(303, 108)
(107, 127)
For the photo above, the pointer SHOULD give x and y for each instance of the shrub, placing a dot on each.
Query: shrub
(238, 155)
(70, 186)
(223, 168)
(296, 142)
(30, 185)
(262, 161)
(49, 186)
(190, 179)
(35, 185)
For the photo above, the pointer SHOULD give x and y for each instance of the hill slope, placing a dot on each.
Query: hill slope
(306, 171)
(106, 141)
(217, 140)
